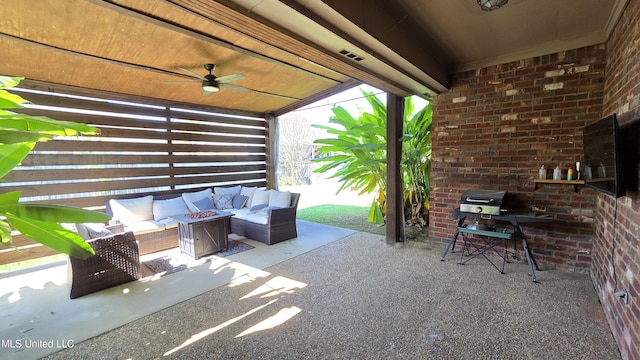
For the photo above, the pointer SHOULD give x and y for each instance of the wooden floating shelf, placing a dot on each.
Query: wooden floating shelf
(575, 183)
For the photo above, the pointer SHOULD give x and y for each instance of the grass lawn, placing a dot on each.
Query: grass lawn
(354, 218)
(344, 216)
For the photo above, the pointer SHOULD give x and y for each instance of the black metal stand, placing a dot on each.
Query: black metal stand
(487, 241)
(515, 220)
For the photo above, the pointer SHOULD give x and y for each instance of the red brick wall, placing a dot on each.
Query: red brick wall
(498, 125)
(616, 247)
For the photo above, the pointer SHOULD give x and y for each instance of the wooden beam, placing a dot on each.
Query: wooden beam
(272, 152)
(395, 204)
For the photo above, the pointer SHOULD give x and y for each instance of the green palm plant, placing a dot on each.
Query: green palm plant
(19, 134)
(416, 165)
(357, 154)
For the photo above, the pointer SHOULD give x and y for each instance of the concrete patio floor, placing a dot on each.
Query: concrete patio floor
(37, 317)
(349, 296)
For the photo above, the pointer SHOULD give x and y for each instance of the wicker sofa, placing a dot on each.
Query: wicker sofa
(268, 217)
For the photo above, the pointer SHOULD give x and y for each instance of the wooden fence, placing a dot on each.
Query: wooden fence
(144, 147)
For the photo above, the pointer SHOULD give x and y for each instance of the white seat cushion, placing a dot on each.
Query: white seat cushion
(241, 213)
(258, 218)
(168, 223)
(143, 227)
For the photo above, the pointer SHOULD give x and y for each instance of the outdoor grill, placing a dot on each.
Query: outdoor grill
(490, 205)
(484, 202)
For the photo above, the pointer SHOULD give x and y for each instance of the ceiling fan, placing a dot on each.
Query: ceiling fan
(212, 84)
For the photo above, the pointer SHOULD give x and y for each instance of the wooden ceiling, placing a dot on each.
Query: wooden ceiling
(136, 47)
(288, 50)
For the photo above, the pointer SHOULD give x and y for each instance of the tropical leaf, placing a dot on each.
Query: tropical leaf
(52, 235)
(7, 82)
(10, 101)
(11, 136)
(375, 214)
(54, 213)
(357, 154)
(40, 222)
(45, 125)
(5, 233)
(11, 155)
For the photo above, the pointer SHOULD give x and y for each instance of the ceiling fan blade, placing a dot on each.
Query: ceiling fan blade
(230, 78)
(192, 73)
(244, 89)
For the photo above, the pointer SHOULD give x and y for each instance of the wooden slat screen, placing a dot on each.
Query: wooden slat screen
(141, 149)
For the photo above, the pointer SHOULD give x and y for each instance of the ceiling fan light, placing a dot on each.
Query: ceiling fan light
(210, 86)
(489, 5)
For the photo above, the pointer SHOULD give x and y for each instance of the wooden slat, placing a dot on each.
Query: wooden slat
(57, 88)
(99, 200)
(72, 145)
(210, 128)
(244, 121)
(97, 104)
(101, 159)
(106, 185)
(117, 118)
(173, 135)
(35, 252)
(74, 174)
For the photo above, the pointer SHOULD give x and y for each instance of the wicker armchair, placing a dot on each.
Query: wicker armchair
(281, 225)
(116, 261)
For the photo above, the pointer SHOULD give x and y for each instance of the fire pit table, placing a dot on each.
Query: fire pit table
(203, 233)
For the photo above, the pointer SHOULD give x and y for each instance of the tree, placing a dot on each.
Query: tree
(357, 153)
(295, 149)
(19, 134)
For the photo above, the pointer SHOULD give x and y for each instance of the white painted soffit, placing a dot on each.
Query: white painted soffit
(275, 11)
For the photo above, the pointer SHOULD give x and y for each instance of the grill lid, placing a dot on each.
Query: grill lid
(484, 197)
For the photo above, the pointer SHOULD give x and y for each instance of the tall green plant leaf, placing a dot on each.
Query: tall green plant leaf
(52, 235)
(40, 222)
(357, 154)
(11, 155)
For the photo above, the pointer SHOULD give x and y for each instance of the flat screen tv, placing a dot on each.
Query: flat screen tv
(603, 168)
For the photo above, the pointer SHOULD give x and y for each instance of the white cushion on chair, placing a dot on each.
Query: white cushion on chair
(260, 197)
(191, 197)
(132, 210)
(233, 190)
(162, 209)
(280, 198)
(248, 191)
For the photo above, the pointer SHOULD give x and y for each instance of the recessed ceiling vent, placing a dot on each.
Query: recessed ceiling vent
(350, 55)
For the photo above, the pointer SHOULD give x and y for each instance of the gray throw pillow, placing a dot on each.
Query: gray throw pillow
(223, 201)
(203, 204)
(239, 201)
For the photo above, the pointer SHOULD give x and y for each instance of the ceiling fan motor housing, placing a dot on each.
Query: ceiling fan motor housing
(210, 84)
